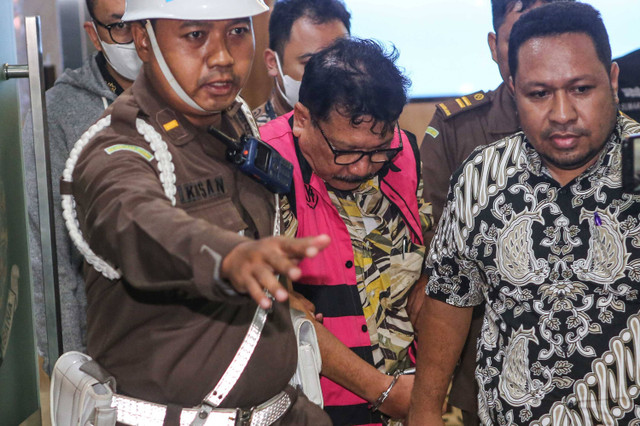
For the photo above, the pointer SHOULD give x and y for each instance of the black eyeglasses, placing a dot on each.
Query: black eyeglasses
(344, 157)
(120, 32)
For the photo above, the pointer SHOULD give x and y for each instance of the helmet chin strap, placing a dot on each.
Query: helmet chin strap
(169, 75)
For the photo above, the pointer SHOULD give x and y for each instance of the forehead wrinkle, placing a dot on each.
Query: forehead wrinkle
(195, 23)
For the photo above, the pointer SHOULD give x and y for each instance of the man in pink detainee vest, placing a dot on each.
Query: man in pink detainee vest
(357, 178)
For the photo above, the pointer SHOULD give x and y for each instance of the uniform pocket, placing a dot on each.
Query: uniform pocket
(221, 212)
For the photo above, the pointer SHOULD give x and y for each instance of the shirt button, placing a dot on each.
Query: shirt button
(364, 328)
(349, 264)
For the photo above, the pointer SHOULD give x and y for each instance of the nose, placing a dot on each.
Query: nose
(218, 54)
(563, 109)
(362, 167)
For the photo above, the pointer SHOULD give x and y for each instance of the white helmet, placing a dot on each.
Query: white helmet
(192, 9)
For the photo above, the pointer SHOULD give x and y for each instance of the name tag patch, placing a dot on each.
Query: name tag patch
(191, 192)
(131, 148)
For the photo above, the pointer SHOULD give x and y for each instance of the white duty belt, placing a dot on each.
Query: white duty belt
(135, 412)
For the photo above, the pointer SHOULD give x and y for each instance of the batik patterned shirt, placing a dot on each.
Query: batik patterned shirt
(558, 269)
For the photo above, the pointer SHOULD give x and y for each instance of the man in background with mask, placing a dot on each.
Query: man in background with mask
(76, 100)
(297, 29)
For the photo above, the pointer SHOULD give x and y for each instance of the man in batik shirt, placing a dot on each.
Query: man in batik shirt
(538, 229)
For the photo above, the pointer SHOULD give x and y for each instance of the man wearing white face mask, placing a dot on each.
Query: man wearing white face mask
(77, 99)
(122, 61)
(297, 30)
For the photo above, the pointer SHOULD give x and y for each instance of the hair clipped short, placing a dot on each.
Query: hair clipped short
(500, 9)
(557, 19)
(286, 12)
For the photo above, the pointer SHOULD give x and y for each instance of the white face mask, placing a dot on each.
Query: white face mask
(123, 58)
(291, 90)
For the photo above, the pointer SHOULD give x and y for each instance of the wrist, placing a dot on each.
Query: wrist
(375, 406)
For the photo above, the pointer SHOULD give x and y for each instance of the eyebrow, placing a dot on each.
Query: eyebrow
(117, 16)
(574, 80)
(305, 56)
(194, 23)
(208, 24)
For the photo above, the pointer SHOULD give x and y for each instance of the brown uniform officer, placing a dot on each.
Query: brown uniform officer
(172, 224)
(457, 128)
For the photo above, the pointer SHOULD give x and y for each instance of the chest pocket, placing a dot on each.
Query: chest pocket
(220, 212)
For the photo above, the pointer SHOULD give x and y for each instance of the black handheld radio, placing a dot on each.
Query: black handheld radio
(258, 160)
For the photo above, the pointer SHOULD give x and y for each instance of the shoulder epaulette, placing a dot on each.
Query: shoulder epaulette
(454, 106)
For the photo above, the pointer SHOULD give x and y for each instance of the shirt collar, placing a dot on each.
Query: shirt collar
(111, 82)
(502, 118)
(172, 124)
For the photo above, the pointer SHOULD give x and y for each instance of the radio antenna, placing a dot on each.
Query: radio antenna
(231, 143)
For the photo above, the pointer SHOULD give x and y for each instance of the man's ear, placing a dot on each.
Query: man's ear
(93, 35)
(613, 77)
(141, 41)
(301, 119)
(270, 62)
(492, 41)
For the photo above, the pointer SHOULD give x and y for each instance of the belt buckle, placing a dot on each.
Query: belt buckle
(243, 417)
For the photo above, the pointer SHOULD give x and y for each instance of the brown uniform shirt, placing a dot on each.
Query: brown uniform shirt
(264, 113)
(273, 108)
(457, 128)
(629, 84)
(168, 329)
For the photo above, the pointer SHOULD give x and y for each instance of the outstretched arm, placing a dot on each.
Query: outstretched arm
(252, 266)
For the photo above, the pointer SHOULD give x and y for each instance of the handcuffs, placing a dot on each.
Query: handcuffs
(383, 396)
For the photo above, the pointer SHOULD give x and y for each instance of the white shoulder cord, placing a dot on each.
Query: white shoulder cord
(248, 116)
(167, 177)
(69, 204)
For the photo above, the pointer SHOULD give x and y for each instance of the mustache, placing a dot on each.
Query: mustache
(574, 130)
(217, 75)
(354, 179)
